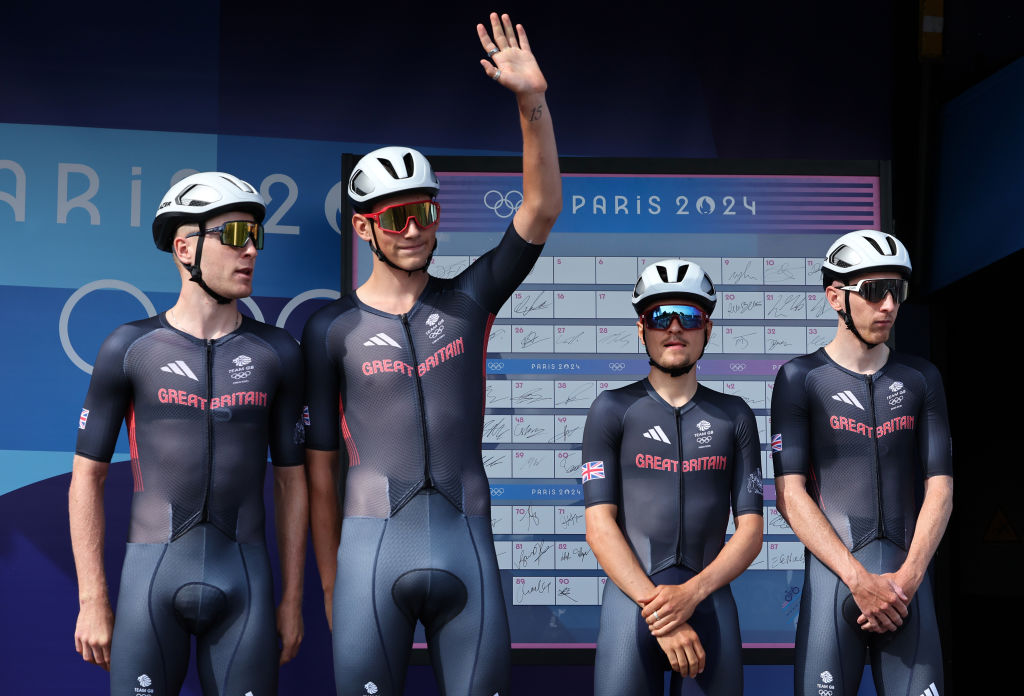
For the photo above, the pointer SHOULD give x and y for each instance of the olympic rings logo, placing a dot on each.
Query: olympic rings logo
(494, 365)
(503, 204)
(737, 367)
(112, 284)
(497, 492)
(703, 440)
(617, 366)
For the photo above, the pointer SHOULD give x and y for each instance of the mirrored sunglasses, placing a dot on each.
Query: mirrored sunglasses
(235, 233)
(395, 218)
(661, 317)
(875, 289)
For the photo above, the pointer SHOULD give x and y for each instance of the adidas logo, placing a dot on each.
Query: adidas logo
(932, 690)
(656, 433)
(179, 367)
(847, 397)
(381, 339)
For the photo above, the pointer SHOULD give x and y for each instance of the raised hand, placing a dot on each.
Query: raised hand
(514, 65)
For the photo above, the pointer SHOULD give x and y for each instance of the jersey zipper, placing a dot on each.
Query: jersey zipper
(209, 430)
(682, 485)
(880, 527)
(423, 405)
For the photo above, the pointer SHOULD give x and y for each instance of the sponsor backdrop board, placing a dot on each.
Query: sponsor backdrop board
(568, 333)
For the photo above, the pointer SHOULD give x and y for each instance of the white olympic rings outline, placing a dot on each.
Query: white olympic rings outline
(65, 313)
(508, 208)
(113, 284)
(617, 366)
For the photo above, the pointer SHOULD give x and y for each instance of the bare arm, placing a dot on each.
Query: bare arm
(613, 553)
(325, 518)
(291, 511)
(516, 68)
(681, 645)
(881, 600)
(675, 603)
(95, 625)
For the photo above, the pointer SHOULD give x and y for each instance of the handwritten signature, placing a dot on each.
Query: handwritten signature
(531, 338)
(567, 433)
(496, 428)
(530, 396)
(533, 555)
(525, 431)
(736, 276)
(570, 339)
(786, 305)
(541, 586)
(581, 393)
(530, 303)
(571, 519)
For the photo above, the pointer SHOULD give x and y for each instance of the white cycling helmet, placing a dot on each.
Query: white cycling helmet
(864, 250)
(199, 197)
(388, 171)
(674, 278)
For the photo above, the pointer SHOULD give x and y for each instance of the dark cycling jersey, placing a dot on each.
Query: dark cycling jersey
(408, 389)
(860, 440)
(200, 416)
(672, 472)
(408, 394)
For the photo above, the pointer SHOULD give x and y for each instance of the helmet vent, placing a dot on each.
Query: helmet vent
(875, 244)
(892, 246)
(409, 166)
(707, 286)
(663, 272)
(357, 184)
(388, 167)
(837, 260)
(681, 273)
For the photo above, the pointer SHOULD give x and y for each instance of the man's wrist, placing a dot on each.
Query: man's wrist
(93, 599)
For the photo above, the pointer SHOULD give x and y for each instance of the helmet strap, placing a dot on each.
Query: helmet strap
(677, 371)
(375, 248)
(196, 274)
(848, 320)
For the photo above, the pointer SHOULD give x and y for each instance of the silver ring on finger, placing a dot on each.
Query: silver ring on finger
(656, 617)
(496, 75)
(493, 51)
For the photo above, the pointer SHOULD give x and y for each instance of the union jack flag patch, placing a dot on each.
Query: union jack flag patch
(777, 442)
(83, 418)
(592, 470)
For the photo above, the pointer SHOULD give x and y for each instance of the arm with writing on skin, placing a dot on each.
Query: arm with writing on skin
(520, 73)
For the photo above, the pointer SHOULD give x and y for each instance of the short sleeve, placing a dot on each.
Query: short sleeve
(287, 431)
(602, 438)
(791, 439)
(322, 382)
(747, 489)
(493, 277)
(108, 399)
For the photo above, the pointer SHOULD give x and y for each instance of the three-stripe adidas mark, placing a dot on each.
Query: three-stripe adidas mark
(932, 690)
(847, 397)
(179, 367)
(656, 433)
(381, 339)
